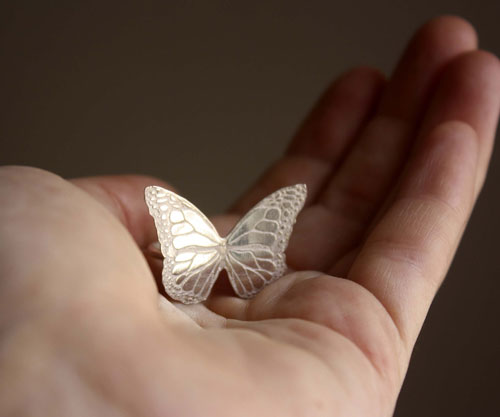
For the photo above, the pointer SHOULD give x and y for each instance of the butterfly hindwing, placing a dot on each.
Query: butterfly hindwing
(255, 247)
(190, 244)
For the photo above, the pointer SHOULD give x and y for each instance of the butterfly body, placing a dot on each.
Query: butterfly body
(252, 253)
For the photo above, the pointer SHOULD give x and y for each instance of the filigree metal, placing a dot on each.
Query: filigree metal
(194, 253)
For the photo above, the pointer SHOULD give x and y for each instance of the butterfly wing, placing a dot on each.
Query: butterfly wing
(190, 244)
(255, 247)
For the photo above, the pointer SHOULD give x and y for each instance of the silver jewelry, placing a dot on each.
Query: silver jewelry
(252, 253)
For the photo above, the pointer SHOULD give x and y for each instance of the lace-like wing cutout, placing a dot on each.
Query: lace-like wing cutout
(255, 247)
(190, 244)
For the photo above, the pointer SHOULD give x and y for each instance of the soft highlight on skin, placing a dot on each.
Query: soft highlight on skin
(81, 329)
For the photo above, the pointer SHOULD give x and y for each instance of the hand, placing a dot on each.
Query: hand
(393, 170)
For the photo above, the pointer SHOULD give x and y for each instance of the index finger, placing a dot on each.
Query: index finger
(408, 253)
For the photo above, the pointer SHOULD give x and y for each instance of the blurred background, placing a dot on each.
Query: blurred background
(207, 94)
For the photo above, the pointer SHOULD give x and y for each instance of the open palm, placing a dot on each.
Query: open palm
(393, 169)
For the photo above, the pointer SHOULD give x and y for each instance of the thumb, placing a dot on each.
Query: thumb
(123, 196)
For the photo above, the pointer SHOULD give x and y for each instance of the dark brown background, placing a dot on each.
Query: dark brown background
(206, 94)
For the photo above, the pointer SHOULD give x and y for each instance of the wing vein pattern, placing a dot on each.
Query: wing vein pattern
(255, 247)
(190, 244)
(252, 253)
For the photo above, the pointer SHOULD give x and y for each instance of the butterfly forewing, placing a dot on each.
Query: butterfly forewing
(190, 244)
(255, 247)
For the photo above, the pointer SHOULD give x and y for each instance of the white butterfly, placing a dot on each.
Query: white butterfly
(252, 253)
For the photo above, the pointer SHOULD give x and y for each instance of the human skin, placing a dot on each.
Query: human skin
(393, 169)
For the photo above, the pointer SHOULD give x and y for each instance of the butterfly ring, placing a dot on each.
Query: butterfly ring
(252, 253)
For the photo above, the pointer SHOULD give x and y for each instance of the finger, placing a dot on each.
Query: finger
(432, 47)
(323, 138)
(338, 115)
(356, 191)
(123, 196)
(408, 253)
(466, 92)
(405, 258)
(469, 92)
